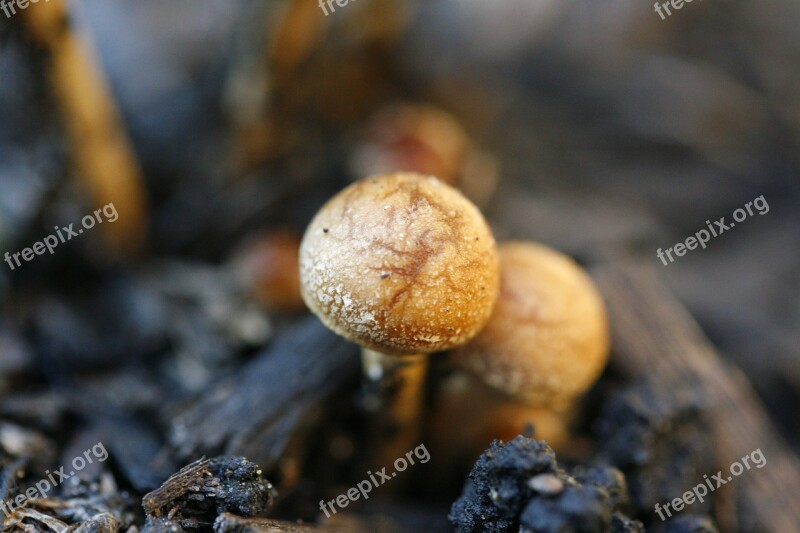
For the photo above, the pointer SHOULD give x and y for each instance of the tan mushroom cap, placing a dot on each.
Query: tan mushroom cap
(400, 263)
(547, 340)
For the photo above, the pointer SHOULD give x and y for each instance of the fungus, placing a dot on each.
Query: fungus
(413, 137)
(407, 267)
(268, 267)
(547, 340)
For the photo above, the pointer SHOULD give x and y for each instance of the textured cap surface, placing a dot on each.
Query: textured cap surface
(400, 263)
(547, 339)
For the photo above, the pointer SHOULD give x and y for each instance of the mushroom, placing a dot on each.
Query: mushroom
(547, 340)
(422, 138)
(413, 138)
(267, 266)
(403, 265)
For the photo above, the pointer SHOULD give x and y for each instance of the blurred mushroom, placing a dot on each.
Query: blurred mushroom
(268, 268)
(405, 266)
(425, 139)
(547, 340)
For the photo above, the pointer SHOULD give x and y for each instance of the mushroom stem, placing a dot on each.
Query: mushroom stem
(393, 390)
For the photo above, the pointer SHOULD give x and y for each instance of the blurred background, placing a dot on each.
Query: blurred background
(593, 126)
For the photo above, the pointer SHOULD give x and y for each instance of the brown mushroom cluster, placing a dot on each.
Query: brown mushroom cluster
(404, 265)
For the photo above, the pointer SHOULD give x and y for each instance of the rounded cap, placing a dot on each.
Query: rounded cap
(268, 266)
(547, 340)
(414, 138)
(401, 264)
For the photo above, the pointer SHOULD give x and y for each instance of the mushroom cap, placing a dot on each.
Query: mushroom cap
(414, 138)
(268, 266)
(547, 340)
(400, 263)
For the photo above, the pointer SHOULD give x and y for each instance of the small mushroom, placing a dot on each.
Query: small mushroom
(403, 265)
(413, 138)
(267, 266)
(547, 340)
(422, 138)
